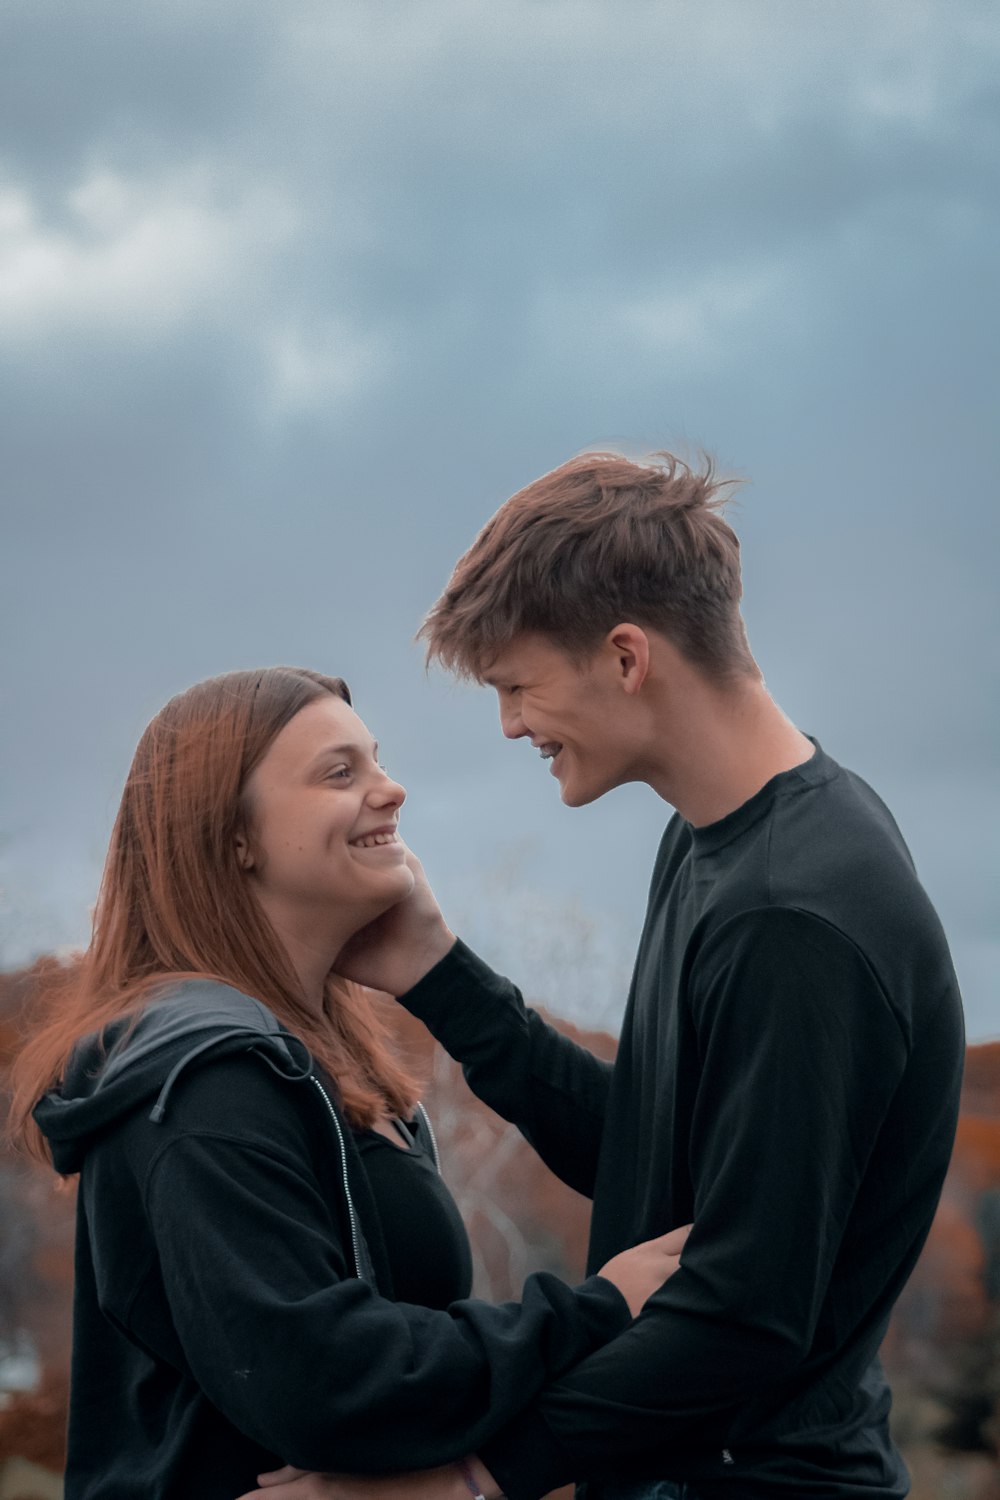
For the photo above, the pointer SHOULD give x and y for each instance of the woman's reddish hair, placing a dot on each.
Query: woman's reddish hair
(174, 903)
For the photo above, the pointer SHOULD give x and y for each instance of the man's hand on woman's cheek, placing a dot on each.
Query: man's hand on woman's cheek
(397, 949)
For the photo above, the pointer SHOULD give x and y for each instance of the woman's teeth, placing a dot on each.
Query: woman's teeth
(372, 840)
(548, 752)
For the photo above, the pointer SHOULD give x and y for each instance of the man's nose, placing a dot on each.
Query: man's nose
(511, 722)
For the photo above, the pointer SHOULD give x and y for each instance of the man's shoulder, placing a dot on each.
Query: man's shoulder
(831, 852)
(818, 840)
(833, 846)
(808, 834)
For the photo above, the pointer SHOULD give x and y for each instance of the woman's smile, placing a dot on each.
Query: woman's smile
(377, 838)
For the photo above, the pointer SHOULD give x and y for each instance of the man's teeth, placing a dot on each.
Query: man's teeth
(372, 840)
(548, 752)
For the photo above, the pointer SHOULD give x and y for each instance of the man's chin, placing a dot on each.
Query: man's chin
(575, 795)
(575, 792)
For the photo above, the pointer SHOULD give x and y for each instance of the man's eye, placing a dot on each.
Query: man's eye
(339, 771)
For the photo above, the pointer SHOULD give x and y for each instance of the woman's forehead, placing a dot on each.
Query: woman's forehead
(326, 725)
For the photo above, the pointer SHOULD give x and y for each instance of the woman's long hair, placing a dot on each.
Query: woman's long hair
(174, 902)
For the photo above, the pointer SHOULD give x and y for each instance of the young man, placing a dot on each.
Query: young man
(790, 1060)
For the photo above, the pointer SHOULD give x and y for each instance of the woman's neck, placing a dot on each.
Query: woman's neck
(312, 947)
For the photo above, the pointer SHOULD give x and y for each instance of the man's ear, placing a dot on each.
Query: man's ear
(630, 645)
(244, 854)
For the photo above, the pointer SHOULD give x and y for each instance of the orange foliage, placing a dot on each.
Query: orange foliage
(520, 1217)
(33, 1425)
(981, 1085)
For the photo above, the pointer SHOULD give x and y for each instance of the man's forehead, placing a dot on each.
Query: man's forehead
(493, 677)
(507, 665)
(528, 654)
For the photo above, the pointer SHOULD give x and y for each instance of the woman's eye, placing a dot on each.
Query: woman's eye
(339, 773)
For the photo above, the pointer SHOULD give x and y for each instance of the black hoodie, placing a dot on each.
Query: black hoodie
(233, 1302)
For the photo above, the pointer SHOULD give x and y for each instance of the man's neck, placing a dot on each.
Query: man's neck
(722, 746)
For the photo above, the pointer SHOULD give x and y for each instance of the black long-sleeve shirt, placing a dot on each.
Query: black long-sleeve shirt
(788, 1079)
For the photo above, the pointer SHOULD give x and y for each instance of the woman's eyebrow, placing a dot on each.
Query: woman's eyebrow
(329, 751)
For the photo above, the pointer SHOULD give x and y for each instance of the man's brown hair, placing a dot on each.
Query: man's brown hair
(597, 542)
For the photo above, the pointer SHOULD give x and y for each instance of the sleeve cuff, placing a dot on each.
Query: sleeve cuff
(451, 995)
(526, 1460)
(613, 1314)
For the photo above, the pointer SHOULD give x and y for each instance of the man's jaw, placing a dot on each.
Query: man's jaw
(554, 751)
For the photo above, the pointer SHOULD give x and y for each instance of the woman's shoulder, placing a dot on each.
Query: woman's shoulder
(198, 1056)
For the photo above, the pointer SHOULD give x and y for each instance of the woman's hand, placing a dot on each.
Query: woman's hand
(397, 949)
(639, 1272)
(288, 1475)
(298, 1484)
(294, 1484)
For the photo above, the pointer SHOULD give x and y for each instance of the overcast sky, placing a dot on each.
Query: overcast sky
(294, 295)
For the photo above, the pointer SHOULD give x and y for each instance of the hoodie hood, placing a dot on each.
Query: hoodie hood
(135, 1062)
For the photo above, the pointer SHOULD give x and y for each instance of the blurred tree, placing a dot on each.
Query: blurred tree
(943, 1349)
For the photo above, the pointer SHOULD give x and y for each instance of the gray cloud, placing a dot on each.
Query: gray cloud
(291, 297)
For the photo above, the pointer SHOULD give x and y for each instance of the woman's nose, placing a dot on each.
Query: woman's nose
(389, 793)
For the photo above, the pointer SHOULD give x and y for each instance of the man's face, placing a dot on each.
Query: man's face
(574, 714)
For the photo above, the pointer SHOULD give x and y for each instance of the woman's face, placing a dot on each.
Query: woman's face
(322, 847)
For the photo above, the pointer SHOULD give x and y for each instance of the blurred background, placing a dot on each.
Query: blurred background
(293, 295)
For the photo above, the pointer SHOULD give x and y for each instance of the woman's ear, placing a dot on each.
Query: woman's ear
(244, 854)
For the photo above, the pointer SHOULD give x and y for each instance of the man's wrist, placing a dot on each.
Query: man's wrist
(437, 946)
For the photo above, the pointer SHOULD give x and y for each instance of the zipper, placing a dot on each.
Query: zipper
(430, 1131)
(355, 1237)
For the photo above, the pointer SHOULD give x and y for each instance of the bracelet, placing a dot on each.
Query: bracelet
(465, 1470)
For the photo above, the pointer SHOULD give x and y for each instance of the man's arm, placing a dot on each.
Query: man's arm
(802, 1055)
(552, 1089)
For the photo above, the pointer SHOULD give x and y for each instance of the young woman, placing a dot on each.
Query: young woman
(268, 1269)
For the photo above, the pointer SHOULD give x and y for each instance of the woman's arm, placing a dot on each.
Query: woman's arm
(251, 1289)
(634, 1272)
